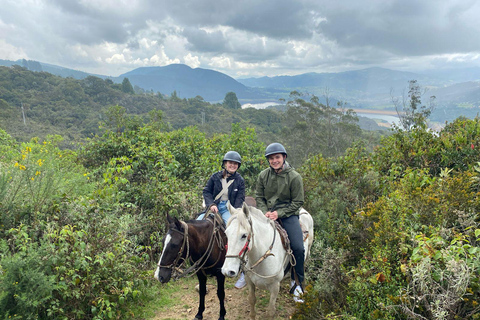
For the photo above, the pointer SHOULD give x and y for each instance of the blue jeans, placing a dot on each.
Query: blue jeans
(222, 210)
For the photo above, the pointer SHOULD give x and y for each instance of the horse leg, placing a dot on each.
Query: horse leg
(252, 299)
(274, 289)
(202, 282)
(221, 294)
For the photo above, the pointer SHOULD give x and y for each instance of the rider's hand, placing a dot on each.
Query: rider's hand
(272, 215)
(214, 209)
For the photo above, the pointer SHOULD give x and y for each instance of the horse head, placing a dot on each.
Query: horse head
(174, 249)
(239, 237)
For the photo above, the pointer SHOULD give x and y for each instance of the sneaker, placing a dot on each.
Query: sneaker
(297, 295)
(241, 281)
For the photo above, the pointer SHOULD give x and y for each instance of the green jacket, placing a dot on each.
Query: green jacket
(282, 191)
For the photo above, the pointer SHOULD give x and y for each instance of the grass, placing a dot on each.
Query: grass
(154, 299)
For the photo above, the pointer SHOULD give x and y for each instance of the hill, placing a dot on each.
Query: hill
(457, 91)
(50, 68)
(189, 83)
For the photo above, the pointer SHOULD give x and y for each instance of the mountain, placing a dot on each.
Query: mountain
(360, 87)
(366, 88)
(189, 83)
(50, 68)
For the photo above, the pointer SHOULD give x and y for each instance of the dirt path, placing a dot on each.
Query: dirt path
(235, 302)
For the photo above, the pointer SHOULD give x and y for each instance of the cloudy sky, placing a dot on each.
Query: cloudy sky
(242, 38)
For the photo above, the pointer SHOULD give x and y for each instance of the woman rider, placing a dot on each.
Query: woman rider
(225, 185)
(279, 194)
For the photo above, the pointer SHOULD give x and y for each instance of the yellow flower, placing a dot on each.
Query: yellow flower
(32, 178)
(22, 167)
(16, 164)
(23, 156)
(40, 162)
(37, 173)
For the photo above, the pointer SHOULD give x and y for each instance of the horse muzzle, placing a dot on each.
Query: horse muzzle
(163, 275)
(228, 272)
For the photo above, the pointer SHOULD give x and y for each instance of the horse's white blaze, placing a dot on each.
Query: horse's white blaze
(167, 240)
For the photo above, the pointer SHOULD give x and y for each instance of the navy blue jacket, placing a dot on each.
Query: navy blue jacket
(236, 191)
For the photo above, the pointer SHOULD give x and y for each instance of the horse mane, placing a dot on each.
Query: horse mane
(243, 220)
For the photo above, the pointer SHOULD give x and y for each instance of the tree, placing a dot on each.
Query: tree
(231, 101)
(310, 127)
(410, 109)
(127, 86)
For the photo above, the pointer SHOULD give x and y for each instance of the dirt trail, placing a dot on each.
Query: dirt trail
(236, 303)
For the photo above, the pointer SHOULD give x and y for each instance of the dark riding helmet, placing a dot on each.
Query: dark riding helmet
(275, 148)
(233, 156)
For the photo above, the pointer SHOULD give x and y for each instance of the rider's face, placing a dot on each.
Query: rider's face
(276, 160)
(231, 166)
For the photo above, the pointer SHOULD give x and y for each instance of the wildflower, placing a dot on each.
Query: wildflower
(16, 164)
(37, 173)
(22, 167)
(32, 178)
(40, 162)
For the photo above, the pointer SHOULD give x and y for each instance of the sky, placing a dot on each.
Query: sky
(242, 38)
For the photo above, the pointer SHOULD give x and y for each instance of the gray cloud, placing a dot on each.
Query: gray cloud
(250, 37)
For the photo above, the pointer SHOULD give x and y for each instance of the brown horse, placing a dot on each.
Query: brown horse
(202, 243)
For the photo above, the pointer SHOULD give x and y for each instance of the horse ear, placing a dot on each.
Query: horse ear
(245, 209)
(178, 224)
(169, 219)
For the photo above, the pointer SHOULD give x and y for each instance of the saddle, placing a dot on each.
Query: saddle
(283, 235)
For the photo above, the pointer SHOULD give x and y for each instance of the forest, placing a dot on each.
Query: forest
(87, 177)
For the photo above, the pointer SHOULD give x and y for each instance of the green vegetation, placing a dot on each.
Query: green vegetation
(397, 226)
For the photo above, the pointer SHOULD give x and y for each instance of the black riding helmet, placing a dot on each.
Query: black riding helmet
(275, 148)
(232, 156)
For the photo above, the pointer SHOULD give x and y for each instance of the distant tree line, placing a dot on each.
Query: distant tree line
(39, 103)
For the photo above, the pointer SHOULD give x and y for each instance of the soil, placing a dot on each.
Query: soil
(236, 302)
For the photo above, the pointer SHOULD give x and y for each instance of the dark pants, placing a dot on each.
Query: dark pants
(295, 235)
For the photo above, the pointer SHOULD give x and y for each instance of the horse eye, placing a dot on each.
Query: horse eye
(244, 236)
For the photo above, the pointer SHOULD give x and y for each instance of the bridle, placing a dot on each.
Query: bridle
(173, 265)
(200, 263)
(241, 255)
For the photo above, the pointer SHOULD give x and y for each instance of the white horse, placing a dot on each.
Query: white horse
(255, 246)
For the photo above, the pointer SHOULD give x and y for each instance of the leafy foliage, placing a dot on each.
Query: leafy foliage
(408, 246)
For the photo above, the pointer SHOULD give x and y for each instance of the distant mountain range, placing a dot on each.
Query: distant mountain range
(372, 87)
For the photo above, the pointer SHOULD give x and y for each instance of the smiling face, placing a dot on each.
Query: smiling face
(276, 160)
(231, 166)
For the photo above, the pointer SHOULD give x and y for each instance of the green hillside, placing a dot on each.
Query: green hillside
(397, 229)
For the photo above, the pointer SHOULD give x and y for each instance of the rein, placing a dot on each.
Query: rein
(200, 263)
(173, 265)
(243, 252)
